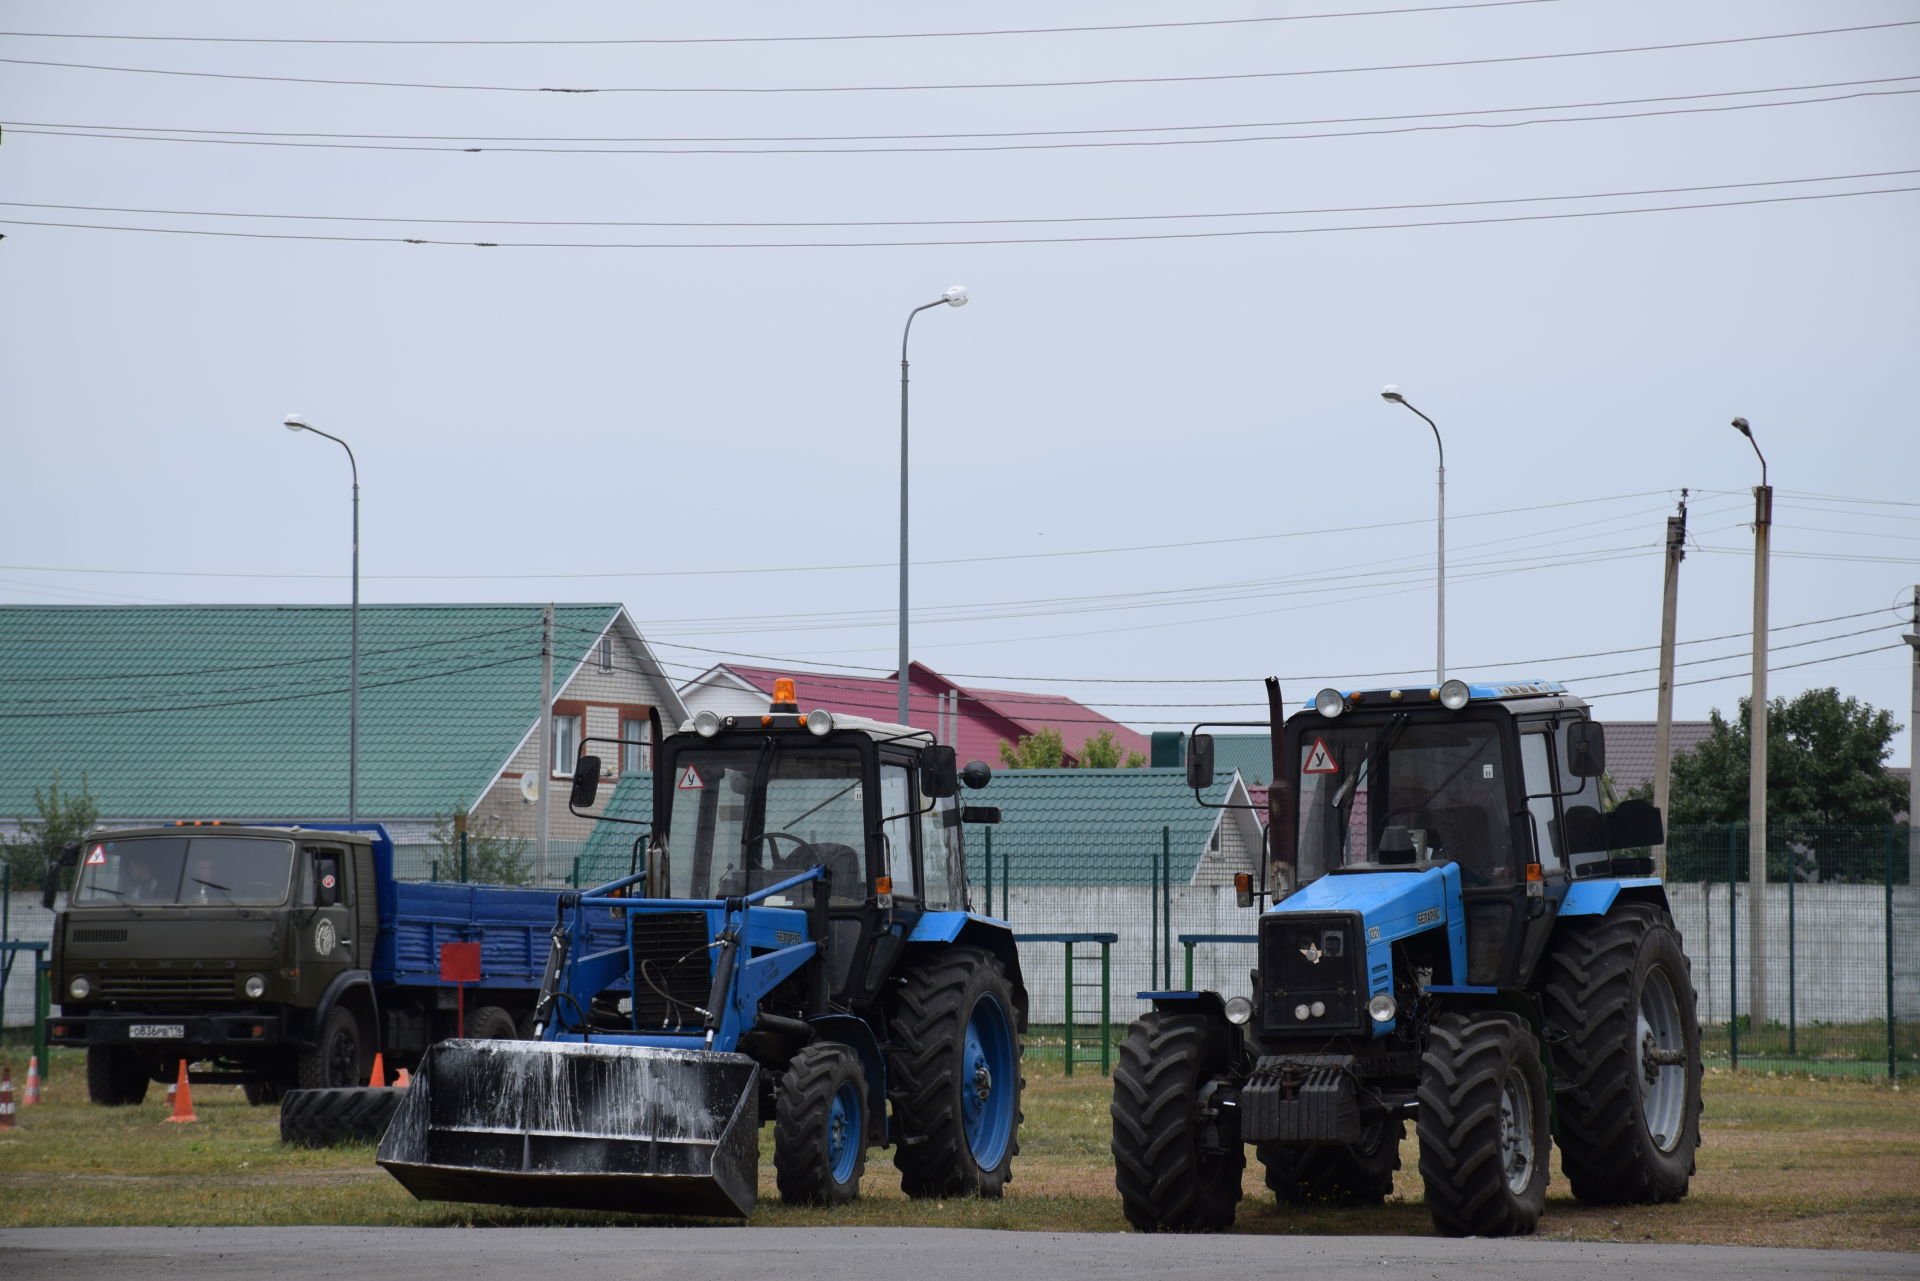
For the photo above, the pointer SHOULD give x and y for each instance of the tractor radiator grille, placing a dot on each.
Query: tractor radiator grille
(672, 968)
(1309, 961)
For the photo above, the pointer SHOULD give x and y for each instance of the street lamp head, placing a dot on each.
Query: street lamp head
(956, 296)
(295, 423)
(1391, 392)
(1740, 425)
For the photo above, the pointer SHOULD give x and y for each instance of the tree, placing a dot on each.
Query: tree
(1825, 765)
(493, 857)
(1101, 752)
(1040, 750)
(62, 818)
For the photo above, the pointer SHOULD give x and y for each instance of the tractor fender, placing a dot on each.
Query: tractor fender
(353, 986)
(969, 929)
(857, 1035)
(1596, 898)
(1210, 1006)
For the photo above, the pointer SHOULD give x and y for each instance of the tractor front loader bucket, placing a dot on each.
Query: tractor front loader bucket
(580, 1126)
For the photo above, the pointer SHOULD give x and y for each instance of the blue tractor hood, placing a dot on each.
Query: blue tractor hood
(1392, 905)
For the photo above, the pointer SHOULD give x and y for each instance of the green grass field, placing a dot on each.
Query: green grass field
(1787, 1161)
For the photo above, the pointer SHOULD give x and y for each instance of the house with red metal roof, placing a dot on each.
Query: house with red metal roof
(972, 718)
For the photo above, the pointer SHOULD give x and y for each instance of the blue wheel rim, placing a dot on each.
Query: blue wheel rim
(988, 1083)
(843, 1132)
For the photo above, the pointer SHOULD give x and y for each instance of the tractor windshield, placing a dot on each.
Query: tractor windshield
(1401, 792)
(743, 818)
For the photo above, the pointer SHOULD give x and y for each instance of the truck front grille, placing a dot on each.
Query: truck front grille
(672, 968)
(163, 987)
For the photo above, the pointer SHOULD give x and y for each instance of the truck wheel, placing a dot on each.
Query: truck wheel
(115, 1076)
(820, 1127)
(339, 1059)
(1484, 1135)
(264, 1093)
(1619, 996)
(1176, 1161)
(350, 1114)
(955, 1064)
(1336, 1173)
(491, 1023)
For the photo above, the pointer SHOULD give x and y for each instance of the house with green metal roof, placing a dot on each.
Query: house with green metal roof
(241, 711)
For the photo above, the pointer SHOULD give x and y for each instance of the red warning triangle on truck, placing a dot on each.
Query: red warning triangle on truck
(1319, 759)
(689, 780)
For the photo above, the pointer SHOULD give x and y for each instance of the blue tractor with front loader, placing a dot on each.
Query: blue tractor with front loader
(793, 944)
(1460, 935)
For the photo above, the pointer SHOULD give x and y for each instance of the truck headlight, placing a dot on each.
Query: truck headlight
(255, 987)
(79, 989)
(1383, 1007)
(1238, 1009)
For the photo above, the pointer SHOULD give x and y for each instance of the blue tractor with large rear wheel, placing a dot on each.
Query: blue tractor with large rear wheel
(1460, 936)
(794, 944)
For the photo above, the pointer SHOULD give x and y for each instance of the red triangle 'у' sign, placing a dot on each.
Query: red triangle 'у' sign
(1319, 759)
(689, 780)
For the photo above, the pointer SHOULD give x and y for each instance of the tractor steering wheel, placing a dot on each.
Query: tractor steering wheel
(800, 844)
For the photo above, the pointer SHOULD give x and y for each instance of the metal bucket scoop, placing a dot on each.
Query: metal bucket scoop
(580, 1126)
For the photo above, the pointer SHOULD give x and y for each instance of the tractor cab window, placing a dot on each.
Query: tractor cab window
(942, 874)
(747, 817)
(896, 808)
(1549, 836)
(1401, 792)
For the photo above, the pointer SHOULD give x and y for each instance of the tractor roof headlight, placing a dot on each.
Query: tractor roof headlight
(1454, 695)
(1329, 703)
(818, 721)
(706, 723)
(1238, 1009)
(1383, 1007)
(80, 989)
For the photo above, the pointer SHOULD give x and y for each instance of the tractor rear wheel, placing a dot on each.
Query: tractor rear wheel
(819, 1127)
(1484, 1133)
(1339, 1174)
(955, 1070)
(1619, 995)
(1176, 1159)
(116, 1076)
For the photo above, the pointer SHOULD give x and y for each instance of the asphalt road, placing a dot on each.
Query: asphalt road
(874, 1254)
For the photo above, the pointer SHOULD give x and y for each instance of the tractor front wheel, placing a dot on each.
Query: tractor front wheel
(819, 1128)
(1337, 1173)
(1620, 995)
(1177, 1159)
(955, 1076)
(1484, 1132)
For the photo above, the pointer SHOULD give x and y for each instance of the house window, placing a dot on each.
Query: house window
(636, 754)
(566, 743)
(606, 653)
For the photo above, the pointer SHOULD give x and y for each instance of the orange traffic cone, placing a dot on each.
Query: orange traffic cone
(402, 1081)
(6, 1098)
(33, 1081)
(182, 1098)
(379, 1075)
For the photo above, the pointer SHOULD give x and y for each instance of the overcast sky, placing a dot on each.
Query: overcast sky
(1152, 448)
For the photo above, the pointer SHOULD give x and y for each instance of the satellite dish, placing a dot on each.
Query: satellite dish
(530, 787)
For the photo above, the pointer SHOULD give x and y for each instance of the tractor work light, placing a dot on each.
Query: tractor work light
(1454, 695)
(1238, 1009)
(819, 721)
(80, 988)
(1329, 703)
(706, 723)
(1383, 1007)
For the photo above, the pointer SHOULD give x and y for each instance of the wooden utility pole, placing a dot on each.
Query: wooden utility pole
(1663, 725)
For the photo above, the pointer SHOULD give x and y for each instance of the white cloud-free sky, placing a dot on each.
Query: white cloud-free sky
(1150, 451)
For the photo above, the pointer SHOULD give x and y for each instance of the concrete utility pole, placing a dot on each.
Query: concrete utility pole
(1757, 736)
(1663, 725)
(1913, 758)
(544, 767)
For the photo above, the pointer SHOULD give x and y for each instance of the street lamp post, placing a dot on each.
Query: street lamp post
(1757, 744)
(295, 422)
(1392, 393)
(956, 296)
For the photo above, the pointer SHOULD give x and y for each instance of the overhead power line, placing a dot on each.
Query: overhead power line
(1020, 240)
(246, 138)
(1027, 84)
(815, 39)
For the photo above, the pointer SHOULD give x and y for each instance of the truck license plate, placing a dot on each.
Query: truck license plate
(157, 1031)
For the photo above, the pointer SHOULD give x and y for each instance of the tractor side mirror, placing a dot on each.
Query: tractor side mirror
(326, 880)
(976, 775)
(1200, 762)
(1633, 824)
(938, 774)
(586, 782)
(980, 814)
(1587, 749)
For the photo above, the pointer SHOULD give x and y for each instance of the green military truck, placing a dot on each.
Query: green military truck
(277, 957)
